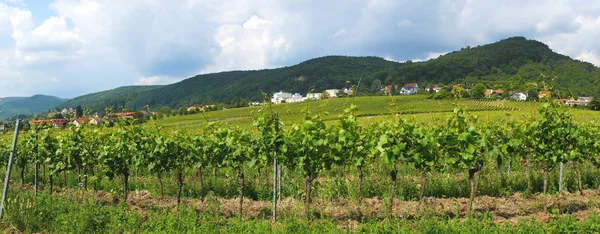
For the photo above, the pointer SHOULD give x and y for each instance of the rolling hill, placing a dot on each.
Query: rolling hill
(513, 63)
(12, 106)
(115, 98)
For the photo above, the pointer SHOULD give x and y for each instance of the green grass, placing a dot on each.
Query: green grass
(55, 214)
(376, 109)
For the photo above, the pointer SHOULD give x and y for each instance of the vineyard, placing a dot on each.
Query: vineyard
(378, 107)
(460, 175)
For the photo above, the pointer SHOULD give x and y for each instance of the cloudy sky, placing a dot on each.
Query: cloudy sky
(73, 47)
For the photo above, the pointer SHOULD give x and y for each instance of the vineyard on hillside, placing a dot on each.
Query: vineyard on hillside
(353, 176)
(368, 107)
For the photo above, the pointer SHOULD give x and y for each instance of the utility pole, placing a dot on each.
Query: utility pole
(8, 168)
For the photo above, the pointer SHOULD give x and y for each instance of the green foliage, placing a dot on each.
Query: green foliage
(464, 144)
(552, 136)
(478, 91)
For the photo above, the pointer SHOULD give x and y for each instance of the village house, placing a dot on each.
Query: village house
(257, 103)
(409, 89)
(435, 88)
(280, 97)
(488, 93)
(543, 94)
(332, 93)
(81, 121)
(56, 123)
(581, 101)
(388, 88)
(520, 96)
(314, 96)
(97, 120)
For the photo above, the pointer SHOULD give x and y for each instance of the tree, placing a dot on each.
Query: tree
(376, 86)
(165, 110)
(442, 94)
(458, 92)
(138, 115)
(78, 111)
(478, 91)
(532, 94)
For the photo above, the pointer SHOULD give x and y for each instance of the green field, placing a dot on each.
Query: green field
(373, 109)
(409, 175)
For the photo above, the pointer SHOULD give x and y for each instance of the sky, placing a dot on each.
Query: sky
(68, 48)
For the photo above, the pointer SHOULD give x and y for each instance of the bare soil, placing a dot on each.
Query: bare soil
(505, 210)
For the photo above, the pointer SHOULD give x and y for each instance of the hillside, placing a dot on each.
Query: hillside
(114, 98)
(513, 63)
(12, 106)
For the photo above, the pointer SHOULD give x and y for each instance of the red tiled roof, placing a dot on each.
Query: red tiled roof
(410, 85)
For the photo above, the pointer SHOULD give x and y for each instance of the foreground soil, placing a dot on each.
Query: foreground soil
(505, 210)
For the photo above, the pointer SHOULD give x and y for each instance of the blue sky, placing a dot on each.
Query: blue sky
(68, 48)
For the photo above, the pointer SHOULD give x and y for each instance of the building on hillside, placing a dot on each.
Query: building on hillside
(489, 92)
(434, 87)
(280, 97)
(388, 88)
(314, 96)
(581, 101)
(296, 97)
(576, 103)
(332, 93)
(544, 94)
(56, 123)
(585, 99)
(3, 126)
(97, 120)
(409, 89)
(520, 96)
(81, 121)
(257, 103)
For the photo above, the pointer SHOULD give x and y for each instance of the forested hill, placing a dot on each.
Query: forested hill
(13, 106)
(513, 63)
(114, 98)
(320, 73)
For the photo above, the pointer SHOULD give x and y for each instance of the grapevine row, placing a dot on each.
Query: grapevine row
(312, 147)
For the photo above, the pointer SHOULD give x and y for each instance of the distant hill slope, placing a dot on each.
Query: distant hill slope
(12, 106)
(515, 60)
(109, 98)
(513, 63)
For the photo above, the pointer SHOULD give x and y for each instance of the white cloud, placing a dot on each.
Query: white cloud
(430, 55)
(340, 32)
(405, 23)
(589, 57)
(157, 80)
(251, 45)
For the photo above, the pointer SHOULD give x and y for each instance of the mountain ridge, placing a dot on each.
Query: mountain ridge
(14, 106)
(512, 63)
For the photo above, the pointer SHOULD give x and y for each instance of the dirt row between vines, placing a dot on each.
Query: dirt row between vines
(506, 210)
